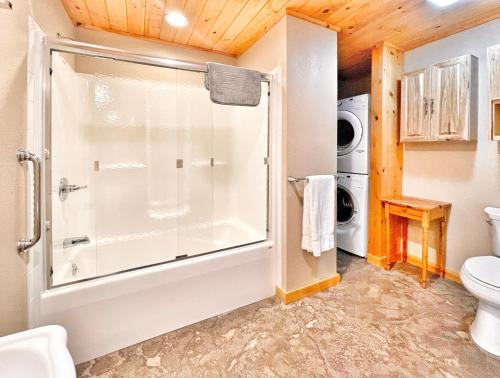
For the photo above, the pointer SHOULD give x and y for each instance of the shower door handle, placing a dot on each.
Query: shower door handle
(24, 156)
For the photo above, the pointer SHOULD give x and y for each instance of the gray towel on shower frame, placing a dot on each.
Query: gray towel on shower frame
(229, 85)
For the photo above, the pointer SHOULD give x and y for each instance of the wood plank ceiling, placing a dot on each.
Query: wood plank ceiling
(232, 26)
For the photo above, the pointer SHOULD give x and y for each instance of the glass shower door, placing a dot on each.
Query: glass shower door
(155, 171)
(194, 173)
(125, 144)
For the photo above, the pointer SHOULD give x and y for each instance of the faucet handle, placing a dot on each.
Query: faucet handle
(65, 188)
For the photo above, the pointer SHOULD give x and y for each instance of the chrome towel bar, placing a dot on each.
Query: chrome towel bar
(299, 179)
(24, 244)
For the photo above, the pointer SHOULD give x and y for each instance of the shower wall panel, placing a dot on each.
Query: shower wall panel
(169, 174)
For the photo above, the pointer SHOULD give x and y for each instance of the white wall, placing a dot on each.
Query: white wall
(465, 174)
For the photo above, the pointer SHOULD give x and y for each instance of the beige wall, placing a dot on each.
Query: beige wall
(311, 136)
(267, 54)
(13, 44)
(307, 55)
(466, 174)
(147, 47)
(355, 87)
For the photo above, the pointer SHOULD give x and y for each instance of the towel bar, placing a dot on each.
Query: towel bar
(298, 179)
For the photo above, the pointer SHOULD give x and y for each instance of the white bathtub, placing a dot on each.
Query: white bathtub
(110, 254)
(109, 313)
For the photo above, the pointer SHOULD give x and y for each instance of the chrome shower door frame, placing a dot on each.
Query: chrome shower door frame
(64, 45)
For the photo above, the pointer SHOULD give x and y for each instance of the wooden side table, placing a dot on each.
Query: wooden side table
(424, 211)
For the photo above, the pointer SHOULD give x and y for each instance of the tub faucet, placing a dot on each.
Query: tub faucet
(71, 242)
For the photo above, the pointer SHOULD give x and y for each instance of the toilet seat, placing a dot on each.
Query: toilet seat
(485, 269)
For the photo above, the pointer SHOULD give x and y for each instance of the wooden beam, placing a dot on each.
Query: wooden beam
(386, 153)
(291, 12)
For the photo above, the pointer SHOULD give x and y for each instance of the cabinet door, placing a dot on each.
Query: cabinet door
(450, 99)
(494, 70)
(414, 107)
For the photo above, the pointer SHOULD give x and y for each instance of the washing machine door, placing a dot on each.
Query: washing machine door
(349, 132)
(347, 206)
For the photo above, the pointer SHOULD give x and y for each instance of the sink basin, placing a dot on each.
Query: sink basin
(36, 353)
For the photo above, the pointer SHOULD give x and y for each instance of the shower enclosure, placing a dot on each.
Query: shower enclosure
(142, 168)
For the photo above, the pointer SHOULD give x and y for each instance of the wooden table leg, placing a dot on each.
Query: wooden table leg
(442, 247)
(388, 264)
(404, 238)
(425, 252)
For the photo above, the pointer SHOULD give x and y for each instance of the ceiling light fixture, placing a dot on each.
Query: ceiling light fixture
(176, 19)
(443, 3)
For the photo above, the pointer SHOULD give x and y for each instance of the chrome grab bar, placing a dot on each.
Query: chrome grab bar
(23, 156)
(299, 179)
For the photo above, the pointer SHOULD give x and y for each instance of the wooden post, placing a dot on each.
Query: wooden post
(386, 153)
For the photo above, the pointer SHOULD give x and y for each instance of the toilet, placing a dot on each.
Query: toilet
(481, 277)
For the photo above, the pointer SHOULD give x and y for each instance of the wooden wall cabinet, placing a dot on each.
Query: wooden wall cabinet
(439, 103)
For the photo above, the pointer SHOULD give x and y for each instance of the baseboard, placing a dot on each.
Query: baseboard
(376, 260)
(448, 274)
(295, 295)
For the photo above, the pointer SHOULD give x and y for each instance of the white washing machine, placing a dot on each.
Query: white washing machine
(352, 213)
(353, 134)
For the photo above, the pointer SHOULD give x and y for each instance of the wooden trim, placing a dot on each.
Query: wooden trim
(415, 261)
(386, 153)
(295, 295)
(387, 44)
(291, 12)
(448, 274)
(378, 261)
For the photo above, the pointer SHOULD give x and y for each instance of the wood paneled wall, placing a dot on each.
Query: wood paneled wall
(386, 155)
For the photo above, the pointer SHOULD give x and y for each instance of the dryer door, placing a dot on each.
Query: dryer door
(349, 132)
(347, 206)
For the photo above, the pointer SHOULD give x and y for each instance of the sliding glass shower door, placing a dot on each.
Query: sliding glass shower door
(153, 170)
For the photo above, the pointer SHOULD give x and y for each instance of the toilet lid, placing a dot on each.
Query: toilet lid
(485, 269)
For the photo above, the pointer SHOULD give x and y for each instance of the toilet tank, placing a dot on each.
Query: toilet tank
(493, 219)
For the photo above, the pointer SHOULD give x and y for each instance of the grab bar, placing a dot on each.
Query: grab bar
(298, 179)
(24, 244)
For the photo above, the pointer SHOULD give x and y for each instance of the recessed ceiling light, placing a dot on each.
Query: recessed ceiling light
(443, 3)
(176, 19)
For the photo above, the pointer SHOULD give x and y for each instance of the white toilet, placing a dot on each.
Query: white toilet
(481, 276)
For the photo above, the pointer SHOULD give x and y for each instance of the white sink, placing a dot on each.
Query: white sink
(36, 353)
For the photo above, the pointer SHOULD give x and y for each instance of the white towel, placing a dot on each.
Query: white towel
(318, 217)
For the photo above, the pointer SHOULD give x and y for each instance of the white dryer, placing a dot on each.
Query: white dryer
(352, 213)
(353, 134)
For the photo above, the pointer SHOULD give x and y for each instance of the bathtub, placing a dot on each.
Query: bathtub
(108, 313)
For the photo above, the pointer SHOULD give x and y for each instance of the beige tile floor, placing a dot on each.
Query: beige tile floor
(374, 323)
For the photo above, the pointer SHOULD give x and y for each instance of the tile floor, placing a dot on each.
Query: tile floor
(374, 323)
